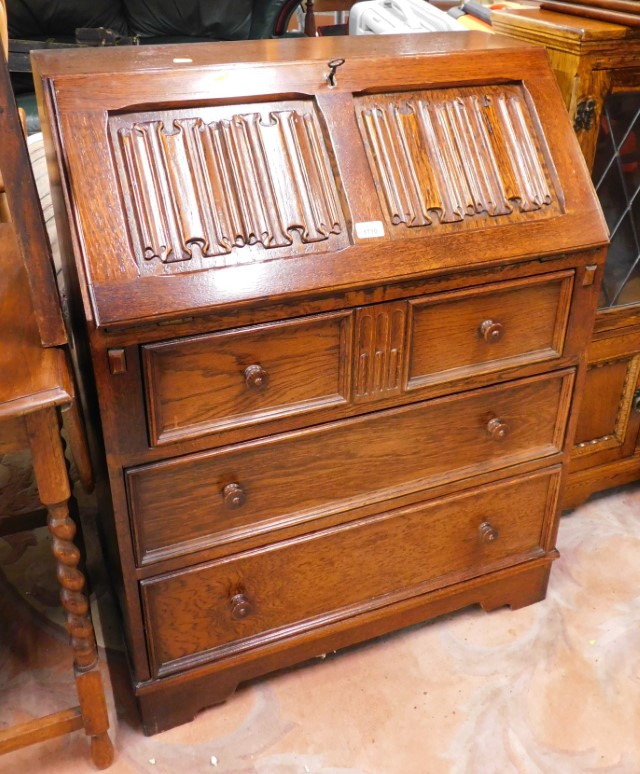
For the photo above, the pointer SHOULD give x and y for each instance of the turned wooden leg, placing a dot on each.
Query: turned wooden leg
(53, 486)
(310, 20)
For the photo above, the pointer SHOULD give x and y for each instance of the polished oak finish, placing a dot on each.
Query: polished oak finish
(592, 61)
(351, 463)
(337, 331)
(195, 615)
(199, 385)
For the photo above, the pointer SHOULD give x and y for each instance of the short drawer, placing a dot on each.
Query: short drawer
(205, 383)
(226, 606)
(228, 494)
(480, 330)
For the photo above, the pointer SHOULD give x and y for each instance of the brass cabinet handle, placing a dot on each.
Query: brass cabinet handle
(234, 496)
(256, 378)
(491, 331)
(497, 429)
(488, 533)
(240, 606)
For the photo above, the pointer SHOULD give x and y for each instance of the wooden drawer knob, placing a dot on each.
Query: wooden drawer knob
(256, 378)
(497, 429)
(240, 606)
(488, 533)
(491, 331)
(234, 496)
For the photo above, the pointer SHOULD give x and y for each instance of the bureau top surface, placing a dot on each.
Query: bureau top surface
(208, 175)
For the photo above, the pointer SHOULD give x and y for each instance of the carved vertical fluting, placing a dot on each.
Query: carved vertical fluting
(249, 170)
(532, 190)
(453, 169)
(479, 138)
(536, 177)
(456, 199)
(442, 201)
(171, 243)
(184, 172)
(379, 351)
(145, 209)
(499, 143)
(421, 186)
(390, 166)
(454, 153)
(222, 186)
(155, 207)
(200, 190)
(233, 159)
(310, 213)
(73, 596)
(522, 189)
(320, 185)
(261, 180)
(314, 224)
(480, 194)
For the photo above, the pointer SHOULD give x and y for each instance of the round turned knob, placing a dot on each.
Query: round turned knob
(488, 533)
(256, 378)
(240, 606)
(497, 429)
(234, 496)
(491, 331)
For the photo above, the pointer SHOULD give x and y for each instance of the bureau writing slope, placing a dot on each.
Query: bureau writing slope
(336, 294)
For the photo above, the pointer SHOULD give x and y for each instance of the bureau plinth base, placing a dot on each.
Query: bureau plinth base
(169, 702)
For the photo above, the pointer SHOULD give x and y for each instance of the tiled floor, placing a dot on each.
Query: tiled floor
(552, 688)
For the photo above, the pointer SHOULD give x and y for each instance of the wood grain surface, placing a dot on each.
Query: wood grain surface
(337, 329)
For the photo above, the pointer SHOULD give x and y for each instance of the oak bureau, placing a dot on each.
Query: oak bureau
(335, 296)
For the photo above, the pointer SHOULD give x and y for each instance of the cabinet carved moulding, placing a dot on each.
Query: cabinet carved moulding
(337, 332)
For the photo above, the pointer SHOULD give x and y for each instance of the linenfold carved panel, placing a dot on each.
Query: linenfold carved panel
(380, 349)
(227, 185)
(455, 155)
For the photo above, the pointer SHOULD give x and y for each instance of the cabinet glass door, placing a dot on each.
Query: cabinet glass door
(616, 176)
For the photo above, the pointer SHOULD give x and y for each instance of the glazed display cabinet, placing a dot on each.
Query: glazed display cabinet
(597, 66)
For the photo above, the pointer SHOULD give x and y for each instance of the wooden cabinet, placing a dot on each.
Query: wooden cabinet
(337, 331)
(597, 66)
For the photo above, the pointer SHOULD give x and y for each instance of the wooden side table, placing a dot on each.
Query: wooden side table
(35, 391)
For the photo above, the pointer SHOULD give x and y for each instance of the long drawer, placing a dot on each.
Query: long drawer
(275, 482)
(229, 605)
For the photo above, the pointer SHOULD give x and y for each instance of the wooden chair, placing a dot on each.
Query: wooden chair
(36, 391)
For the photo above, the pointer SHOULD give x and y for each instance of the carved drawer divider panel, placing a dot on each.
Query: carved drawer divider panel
(442, 157)
(206, 185)
(380, 351)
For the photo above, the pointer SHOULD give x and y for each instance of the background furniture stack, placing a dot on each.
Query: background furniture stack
(36, 390)
(336, 307)
(597, 65)
(35, 24)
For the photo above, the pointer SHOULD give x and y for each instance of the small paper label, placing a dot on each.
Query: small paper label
(370, 230)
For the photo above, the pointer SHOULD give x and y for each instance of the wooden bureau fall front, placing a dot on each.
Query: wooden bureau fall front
(336, 295)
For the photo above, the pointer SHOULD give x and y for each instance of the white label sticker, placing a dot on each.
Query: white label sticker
(370, 230)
